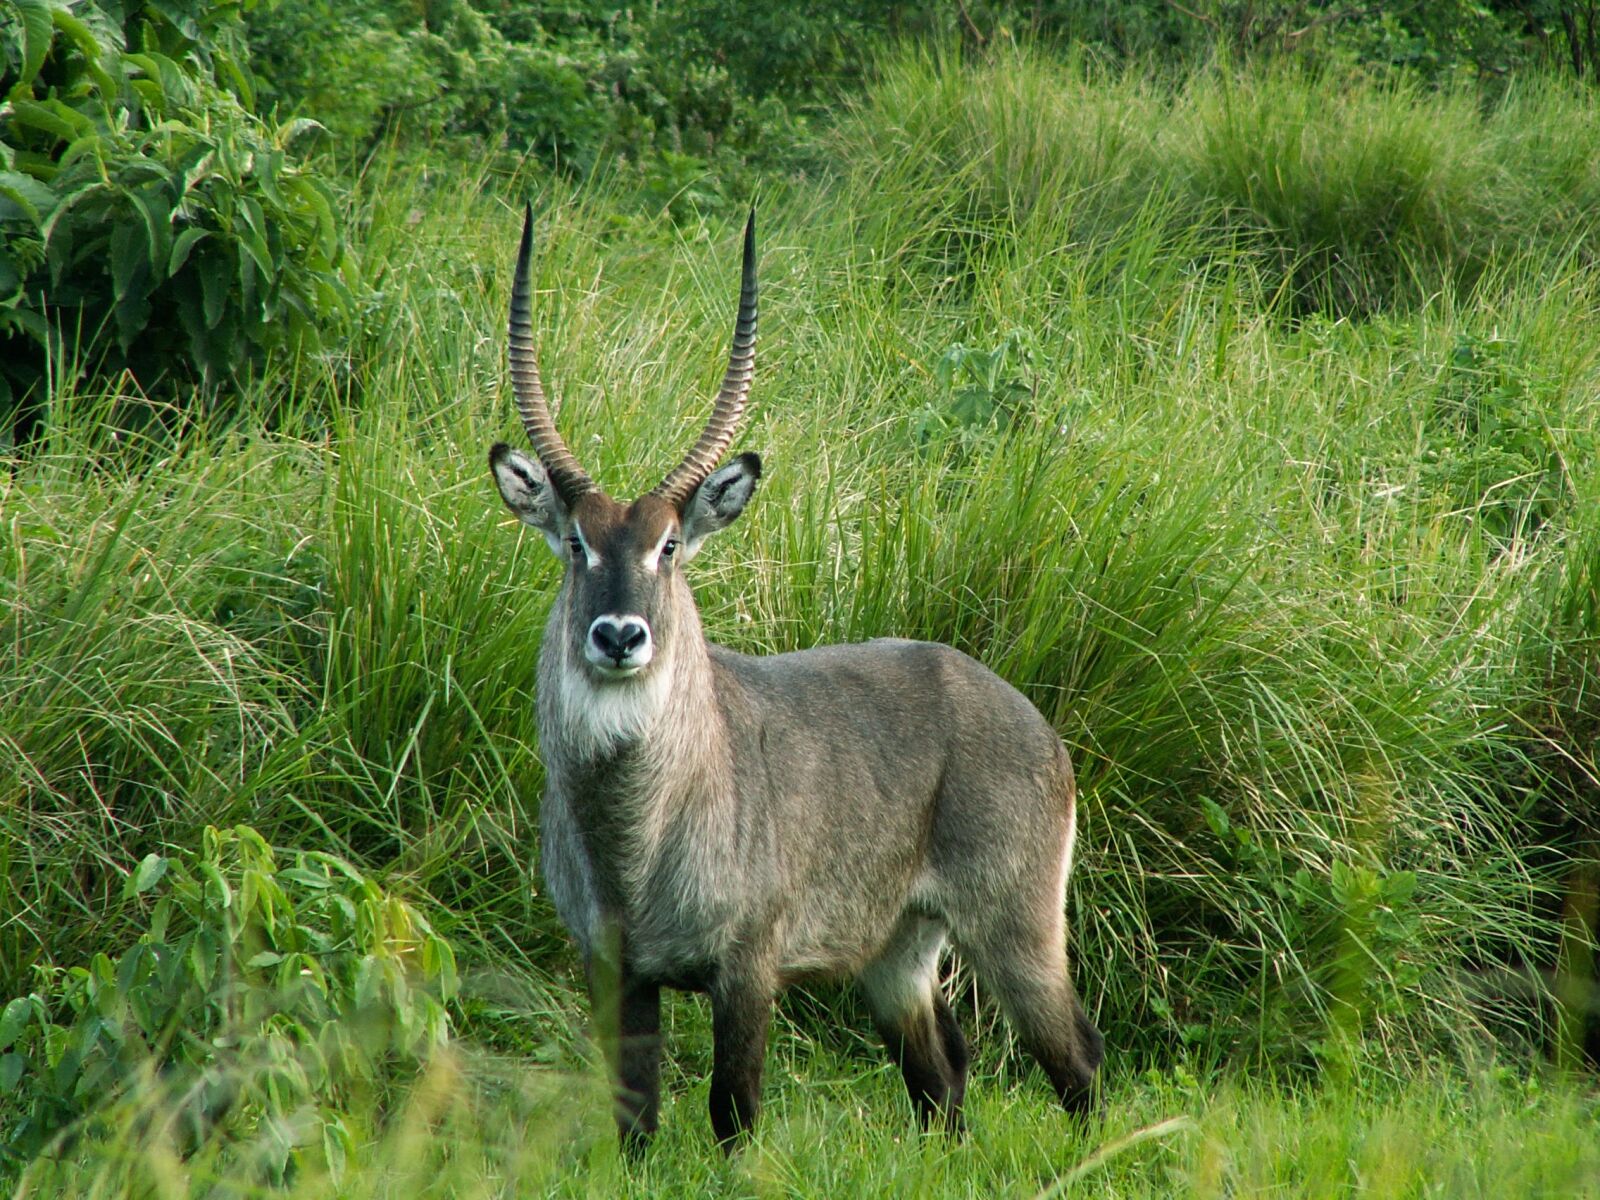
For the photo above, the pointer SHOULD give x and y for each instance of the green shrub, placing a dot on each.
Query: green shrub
(577, 92)
(439, 69)
(261, 999)
(148, 221)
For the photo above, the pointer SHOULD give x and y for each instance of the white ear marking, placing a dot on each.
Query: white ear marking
(525, 487)
(719, 500)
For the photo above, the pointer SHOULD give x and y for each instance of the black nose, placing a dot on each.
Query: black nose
(617, 640)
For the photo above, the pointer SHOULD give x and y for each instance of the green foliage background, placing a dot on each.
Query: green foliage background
(149, 222)
(1224, 376)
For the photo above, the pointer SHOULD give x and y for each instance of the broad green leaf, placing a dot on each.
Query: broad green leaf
(37, 32)
(245, 309)
(48, 118)
(306, 195)
(173, 84)
(217, 891)
(1399, 887)
(369, 981)
(71, 201)
(85, 42)
(86, 146)
(305, 878)
(11, 1068)
(200, 167)
(337, 1144)
(129, 970)
(33, 324)
(444, 957)
(180, 17)
(214, 285)
(160, 918)
(150, 873)
(269, 167)
(81, 36)
(129, 252)
(253, 218)
(243, 86)
(151, 96)
(300, 134)
(253, 848)
(13, 1020)
(132, 315)
(151, 202)
(201, 960)
(143, 171)
(28, 194)
(181, 245)
(254, 239)
(10, 291)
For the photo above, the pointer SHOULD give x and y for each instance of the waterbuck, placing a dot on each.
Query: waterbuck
(731, 824)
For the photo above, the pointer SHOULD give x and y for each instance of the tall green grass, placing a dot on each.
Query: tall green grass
(1349, 195)
(1279, 502)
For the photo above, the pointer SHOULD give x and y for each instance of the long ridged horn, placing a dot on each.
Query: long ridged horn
(566, 475)
(678, 486)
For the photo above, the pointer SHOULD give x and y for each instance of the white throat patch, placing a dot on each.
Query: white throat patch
(601, 716)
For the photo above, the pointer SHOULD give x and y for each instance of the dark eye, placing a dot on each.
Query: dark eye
(576, 546)
(667, 547)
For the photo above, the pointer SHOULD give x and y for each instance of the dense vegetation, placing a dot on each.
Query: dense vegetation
(1233, 391)
(151, 223)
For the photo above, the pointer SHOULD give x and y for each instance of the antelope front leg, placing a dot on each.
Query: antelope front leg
(627, 1015)
(740, 1013)
(638, 1070)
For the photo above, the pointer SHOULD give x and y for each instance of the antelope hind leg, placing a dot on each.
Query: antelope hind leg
(1044, 1009)
(1025, 963)
(902, 989)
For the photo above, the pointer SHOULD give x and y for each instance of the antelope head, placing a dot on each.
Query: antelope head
(624, 595)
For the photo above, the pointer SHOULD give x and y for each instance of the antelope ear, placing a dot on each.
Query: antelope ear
(718, 501)
(526, 488)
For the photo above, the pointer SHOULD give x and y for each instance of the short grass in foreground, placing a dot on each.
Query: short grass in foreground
(837, 1125)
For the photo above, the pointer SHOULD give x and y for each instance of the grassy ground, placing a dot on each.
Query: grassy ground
(838, 1124)
(1260, 455)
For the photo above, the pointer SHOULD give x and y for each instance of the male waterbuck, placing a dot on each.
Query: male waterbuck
(731, 824)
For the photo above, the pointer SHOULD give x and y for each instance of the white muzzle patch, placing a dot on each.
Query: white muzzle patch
(619, 644)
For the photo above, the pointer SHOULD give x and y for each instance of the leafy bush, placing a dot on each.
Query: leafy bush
(576, 90)
(307, 976)
(148, 221)
(437, 69)
(168, 617)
